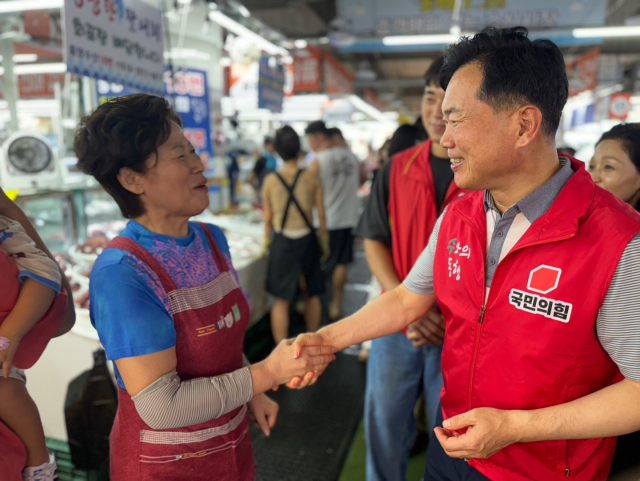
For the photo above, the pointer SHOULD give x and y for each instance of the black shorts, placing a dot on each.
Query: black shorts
(340, 247)
(287, 259)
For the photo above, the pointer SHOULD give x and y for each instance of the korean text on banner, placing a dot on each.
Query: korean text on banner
(270, 85)
(119, 41)
(190, 94)
(407, 17)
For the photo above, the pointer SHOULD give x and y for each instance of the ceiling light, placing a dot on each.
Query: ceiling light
(36, 68)
(300, 43)
(23, 57)
(16, 6)
(628, 31)
(444, 38)
(187, 53)
(367, 108)
(233, 26)
(324, 40)
(244, 11)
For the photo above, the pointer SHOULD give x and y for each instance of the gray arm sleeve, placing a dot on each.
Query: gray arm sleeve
(420, 279)
(618, 323)
(170, 403)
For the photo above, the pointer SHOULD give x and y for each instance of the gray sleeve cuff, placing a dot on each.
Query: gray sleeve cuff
(420, 279)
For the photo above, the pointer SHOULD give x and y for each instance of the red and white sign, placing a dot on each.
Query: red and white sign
(544, 279)
(583, 72)
(306, 70)
(38, 86)
(337, 80)
(620, 105)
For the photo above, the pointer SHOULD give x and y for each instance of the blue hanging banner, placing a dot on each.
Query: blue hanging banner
(189, 97)
(270, 84)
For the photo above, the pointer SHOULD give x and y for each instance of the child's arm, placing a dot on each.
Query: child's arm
(34, 301)
(12, 211)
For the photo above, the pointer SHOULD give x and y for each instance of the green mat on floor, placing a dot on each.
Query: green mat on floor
(354, 467)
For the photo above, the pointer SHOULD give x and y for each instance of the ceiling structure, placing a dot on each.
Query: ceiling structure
(397, 77)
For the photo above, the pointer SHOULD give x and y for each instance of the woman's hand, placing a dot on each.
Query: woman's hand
(300, 344)
(264, 411)
(283, 365)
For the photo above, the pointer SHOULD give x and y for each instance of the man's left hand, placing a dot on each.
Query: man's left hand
(488, 431)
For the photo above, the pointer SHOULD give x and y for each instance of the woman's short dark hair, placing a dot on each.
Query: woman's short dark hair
(629, 137)
(123, 132)
(432, 75)
(516, 71)
(287, 143)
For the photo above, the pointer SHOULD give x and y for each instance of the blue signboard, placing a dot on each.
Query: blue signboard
(409, 17)
(189, 96)
(270, 84)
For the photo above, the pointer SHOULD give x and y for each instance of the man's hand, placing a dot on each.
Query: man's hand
(488, 431)
(264, 411)
(305, 341)
(429, 330)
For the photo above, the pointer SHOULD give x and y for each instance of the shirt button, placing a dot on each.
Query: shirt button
(499, 233)
(492, 262)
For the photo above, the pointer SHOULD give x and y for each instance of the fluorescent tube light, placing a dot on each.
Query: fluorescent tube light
(233, 26)
(420, 39)
(621, 31)
(23, 57)
(38, 68)
(16, 6)
(367, 108)
(300, 43)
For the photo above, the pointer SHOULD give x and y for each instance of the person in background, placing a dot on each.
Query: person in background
(168, 307)
(264, 165)
(338, 141)
(339, 171)
(570, 151)
(288, 198)
(35, 306)
(409, 194)
(382, 157)
(615, 166)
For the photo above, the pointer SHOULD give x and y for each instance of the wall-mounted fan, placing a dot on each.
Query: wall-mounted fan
(27, 162)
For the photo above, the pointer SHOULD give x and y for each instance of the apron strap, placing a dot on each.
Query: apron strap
(217, 253)
(293, 199)
(135, 249)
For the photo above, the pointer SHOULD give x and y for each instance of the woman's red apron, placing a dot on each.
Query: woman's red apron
(210, 322)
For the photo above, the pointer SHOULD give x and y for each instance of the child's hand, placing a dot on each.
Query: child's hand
(8, 348)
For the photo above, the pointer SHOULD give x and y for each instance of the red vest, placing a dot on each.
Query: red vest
(412, 205)
(532, 343)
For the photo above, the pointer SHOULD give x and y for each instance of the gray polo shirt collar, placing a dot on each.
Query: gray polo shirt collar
(537, 203)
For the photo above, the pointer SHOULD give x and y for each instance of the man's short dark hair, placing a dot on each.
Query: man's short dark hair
(335, 132)
(317, 127)
(123, 132)
(287, 143)
(268, 141)
(432, 75)
(516, 71)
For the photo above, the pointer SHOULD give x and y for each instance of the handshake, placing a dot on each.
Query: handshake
(295, 362)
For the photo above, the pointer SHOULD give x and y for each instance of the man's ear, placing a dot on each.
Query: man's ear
(131, 180)
(529, 123)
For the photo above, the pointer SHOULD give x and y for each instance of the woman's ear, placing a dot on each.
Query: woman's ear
(131, 180)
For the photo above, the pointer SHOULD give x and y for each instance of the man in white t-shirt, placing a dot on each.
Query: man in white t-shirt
(339, 172)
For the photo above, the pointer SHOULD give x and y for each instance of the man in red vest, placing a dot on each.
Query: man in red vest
(403, 365)
(537, 274)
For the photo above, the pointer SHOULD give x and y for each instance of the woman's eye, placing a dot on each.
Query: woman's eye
(608, 167)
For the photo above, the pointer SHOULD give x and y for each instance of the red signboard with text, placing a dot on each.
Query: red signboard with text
(583, 72)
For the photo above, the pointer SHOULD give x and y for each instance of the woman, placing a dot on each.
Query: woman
(288, 199)
(615, 166)
(168, 308)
